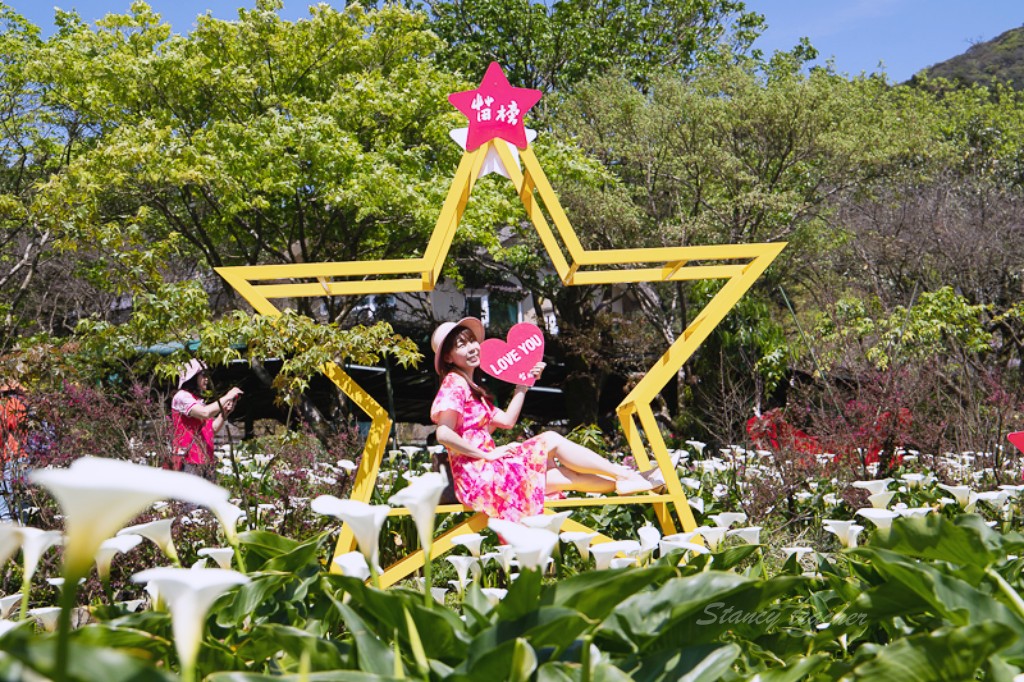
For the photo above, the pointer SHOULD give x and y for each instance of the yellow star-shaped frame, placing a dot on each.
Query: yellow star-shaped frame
(739, 265)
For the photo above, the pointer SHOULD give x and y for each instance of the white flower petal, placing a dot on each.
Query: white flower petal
(189, 595)
(98, 496)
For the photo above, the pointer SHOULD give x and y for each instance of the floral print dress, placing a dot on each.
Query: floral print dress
(508, 488)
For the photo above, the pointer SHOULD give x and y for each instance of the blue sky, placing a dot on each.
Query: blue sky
(903, 35)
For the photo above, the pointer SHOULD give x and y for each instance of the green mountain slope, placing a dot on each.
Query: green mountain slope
(999, 59)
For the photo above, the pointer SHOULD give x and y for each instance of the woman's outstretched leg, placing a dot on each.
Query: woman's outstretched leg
(585, 461)
(560, 479)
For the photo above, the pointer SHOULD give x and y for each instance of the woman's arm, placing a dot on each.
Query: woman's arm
(507, 418)
(210, 410)
(448, 437)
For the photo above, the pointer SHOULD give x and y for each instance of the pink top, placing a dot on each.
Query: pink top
(191, 435)
(474, 423)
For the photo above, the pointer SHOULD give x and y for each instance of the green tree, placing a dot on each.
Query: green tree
(252, 141)
(33, 145)
(556, 46)
(734, 153)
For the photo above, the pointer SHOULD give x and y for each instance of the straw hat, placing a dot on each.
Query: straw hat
(446, 328)
(193, 368)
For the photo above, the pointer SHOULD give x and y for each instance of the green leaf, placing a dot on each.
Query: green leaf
(953, 599)
(548, 626)
(694, 609)
(802, 669)
(703, 663)
(267, 544)
(267, 640)
(89, 663)
(933, 536)
(440, 630)
(320, 676)
(373, 655)
(955, 654)
(253, 597)
(522, 598)
(596, 593)
(731, 556)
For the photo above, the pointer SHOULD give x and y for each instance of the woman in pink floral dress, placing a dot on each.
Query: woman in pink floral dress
(510, 481)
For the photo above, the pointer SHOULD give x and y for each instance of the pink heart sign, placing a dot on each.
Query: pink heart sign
(513, 359)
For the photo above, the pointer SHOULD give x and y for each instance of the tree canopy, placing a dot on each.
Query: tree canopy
(136, 160)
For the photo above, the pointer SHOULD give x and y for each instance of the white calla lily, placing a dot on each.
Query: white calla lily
(726, 519)
(353, 565)
(470, 541)
(46, 616)
(549, 522)
(914, 480)
(798, 551)
(994, 498)
(110, 548)
(7, 603)
(581, 539)
(421, 498)
(961, 493)
(882, 518)
(222, 555)
(503, 556)
(533, 546)
(622, 562)
(750, 535)
(493, 594)
(159, 533)
(98, 496)
(650, 537)
(228, 515)
(873, 487)
(881, 500)
(365, 521)
(189, 595)
(604, 552)
(713, 536)
(845, 531)
(34, 544)
(10, 541)
(8, 625)
(913, 511)
(462, 564)
(667, 546)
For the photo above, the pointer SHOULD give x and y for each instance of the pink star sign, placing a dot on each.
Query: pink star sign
(495, 109)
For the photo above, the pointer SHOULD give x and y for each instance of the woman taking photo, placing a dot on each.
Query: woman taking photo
(510, 481)
(194, 421)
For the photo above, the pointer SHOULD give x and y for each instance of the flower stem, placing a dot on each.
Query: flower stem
(26, 587)
(67, 605)
(427, 576)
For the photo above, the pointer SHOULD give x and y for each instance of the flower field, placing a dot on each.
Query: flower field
(800, 570)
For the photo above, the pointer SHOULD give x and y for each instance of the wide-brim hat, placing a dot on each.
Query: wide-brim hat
(445, 328)
(193, 368)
